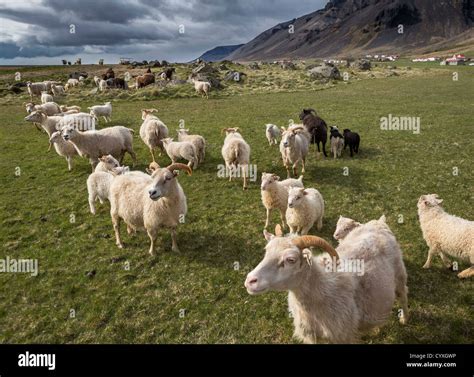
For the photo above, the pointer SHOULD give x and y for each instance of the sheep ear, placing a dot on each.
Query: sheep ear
(278, 231)
(276, 177)
(268, 236)
(308, 256)
(149, 171)
(439, 201)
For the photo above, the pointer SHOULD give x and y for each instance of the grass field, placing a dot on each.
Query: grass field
(144, 303)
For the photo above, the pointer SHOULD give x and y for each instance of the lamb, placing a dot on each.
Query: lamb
(49, 108)
(305, 207)
(351, 139)
(94, 144)
(337, 142)
(63, 148)
(294, 146)
(272, 133)
(35, 89)
(103, 85)
(181, 150)
(104, 111)
(72, 83)
(46, 97)
(149, 203)
(236, 153)
(197, 140)
(98, 185)
(202, 87)
(58, 90)
(446, 234)
(49, 84)
(107, 163)
(335, 300)
(152, 131)
(97, 80)
(275, 194)
(65, 108)
(316, 127)
(343, 227)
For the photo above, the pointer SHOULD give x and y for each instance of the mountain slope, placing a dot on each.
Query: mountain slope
(355, 27)
(218, 53)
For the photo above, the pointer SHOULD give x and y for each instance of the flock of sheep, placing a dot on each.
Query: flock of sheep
(327, 304)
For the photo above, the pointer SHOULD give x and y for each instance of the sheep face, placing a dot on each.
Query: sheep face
(69, 132)
(55, 137)
(295, 196)
(34, 116)
(162, 183)
(29, 107)
(146, 112)
(109, 161)
(305, 112)
(268, 180)
(288, 138)
(281, 267)
(343, 227)
(428, 201)
(166, 141)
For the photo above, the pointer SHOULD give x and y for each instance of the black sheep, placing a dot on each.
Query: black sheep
(335, 132)
(316, 127)
(353, 140)
(169, 73)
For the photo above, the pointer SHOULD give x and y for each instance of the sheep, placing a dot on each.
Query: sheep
(49, 108)
(446, 234)
(97, 80)
(236, 153)
(149, 202)
(202, 87)
(181, 150)
(102, 85)
(58, 90)
(117, 83)
(168, 74)
(343, 227)
(49, 123)
(35, 89)
(49, 84)
(351, 139)
(163, 76)
(294, 146)
(272, 133)
(305, 207)
(63, 148)
(65, 108)
(337, 142)
(316, 127)
(94, 144)
(335, 300)
(144, 80)
(152, 131)
(46, 97)
(69, 112)
(72, 83)
(107, 163)
(104, 111)
(197, 140)
(275, 194)
(98, 185)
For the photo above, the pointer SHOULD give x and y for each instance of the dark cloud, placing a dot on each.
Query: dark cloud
(139, 28)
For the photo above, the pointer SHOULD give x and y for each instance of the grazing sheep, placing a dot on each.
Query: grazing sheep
(202, 87)
(72, 83)
(65, 108)
(272, 133)
(316, 127)
(153, 131)
(294, 146)
(58, 90)
(149, 203)
(98, 185)
(446, 234)
(63, 148)
(337, 142)
(102, 85)
(107, 163)
(275, 194)
(94, 144)
(49, 108)
(35, 89)
(236, 153)
(144, 80)
(196, 140)
(104, 111)
(181, 150)
(46, 97)
(340, 299)
(305, 207)
(351, 139)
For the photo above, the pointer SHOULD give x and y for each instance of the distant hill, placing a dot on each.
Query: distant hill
(350, 28)
(219, 53)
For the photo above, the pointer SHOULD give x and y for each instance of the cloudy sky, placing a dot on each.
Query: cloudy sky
(39, 31)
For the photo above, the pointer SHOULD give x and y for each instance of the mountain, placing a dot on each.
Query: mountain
(350, 28)
(219, 53)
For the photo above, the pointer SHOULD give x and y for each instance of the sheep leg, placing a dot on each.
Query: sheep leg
(116, 224)
(468, 272)
(267, 222)
(152, 154)
(244, 172)
(431, 253)
(153, 235)
(292, 229)
(69, 162)
(174, 244)
(132, 153)
(305, 230)
(403, 300)
(287, 171)
(323, 146)
(445, 260)
(352, 150)
(282, 217)
(303, 162)
(91, 203)
(295, 173)
(319, 224)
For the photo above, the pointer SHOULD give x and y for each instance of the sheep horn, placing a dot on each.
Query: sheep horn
(303, 242)
(180, 167)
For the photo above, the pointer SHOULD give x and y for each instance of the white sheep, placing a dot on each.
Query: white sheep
(197, 140)
(103, 85)
(58, 90)
(104, 111)
(63, 148)
(181, 150)
(335, 300)
(202, 87)
(294, 146)
(275, 194)
(72, 82)
(49, 123)
(81, 121)
(46, 97)
(272, 132)
(49, 108)
(236, 154)
(97, 80)
(65, 108)
(107, 163)
(337, 145)
(305, 207)
(94, 144)
(152, 131)
(35, 88)
(343, 227)
(149, 203)
(446, 234)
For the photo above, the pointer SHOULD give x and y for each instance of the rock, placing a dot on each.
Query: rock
(324, 72)
(205, 68)
(362, 64)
